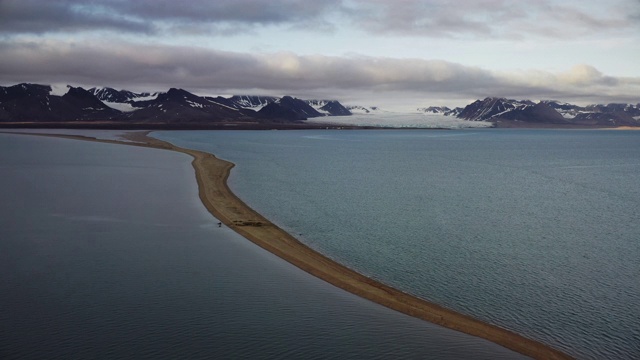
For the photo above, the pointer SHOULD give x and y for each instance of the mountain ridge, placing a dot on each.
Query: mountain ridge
(36, 103)
(41, 103)
(505, 112)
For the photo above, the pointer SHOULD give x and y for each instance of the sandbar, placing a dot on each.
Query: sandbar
(212, 174)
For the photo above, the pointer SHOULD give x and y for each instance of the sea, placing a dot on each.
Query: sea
(536, 231)
(106, 252)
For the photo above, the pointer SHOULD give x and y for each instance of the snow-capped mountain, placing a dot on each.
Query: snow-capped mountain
(179, 105)
(619, 109)
(107, 94)
(612, 114)
(31, 102)
(121, 99)
(440, 110)
(489, 108)
(507, 111)
(44, 103)
(255, 103)
(247, 102)
(289, 108)
(357, 109)
(329, 107)
(568, 111)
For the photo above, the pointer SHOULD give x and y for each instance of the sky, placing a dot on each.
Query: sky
(396, 54)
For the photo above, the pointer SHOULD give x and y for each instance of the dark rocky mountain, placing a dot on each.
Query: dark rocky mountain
(617, 118)
(36, 103)
(178, 105)
(91, 108)
(614, 114)
(562, 107)
(288, 108)
(27, 102)
(247, 103)
(329, 107)
(257, 103)
(436, 110)
(362, 109)
(455, 111)
(490, 108)
(537, 113)
(633, 110)
(507, 112)
(251, 102)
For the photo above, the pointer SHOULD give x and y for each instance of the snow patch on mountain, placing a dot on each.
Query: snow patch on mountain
(318, 105)
(223, 105)
(107, 94)
(194, 104)
(124, 107)
(361, 110)
(329, 107)
(59, 90)
(251, 102)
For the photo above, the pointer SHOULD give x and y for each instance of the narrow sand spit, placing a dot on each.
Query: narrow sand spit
(212, 174)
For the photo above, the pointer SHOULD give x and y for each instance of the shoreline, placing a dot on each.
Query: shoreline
(301, 125)
(212, 174)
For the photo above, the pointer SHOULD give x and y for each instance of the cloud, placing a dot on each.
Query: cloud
(205, 68)
(156, 16)
(585, 75)
(33, 16)
(431, 18)
(493, 18)
(149, 67)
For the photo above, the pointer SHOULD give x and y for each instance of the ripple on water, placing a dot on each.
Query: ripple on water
(531, 230)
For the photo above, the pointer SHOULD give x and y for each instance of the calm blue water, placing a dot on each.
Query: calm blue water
(533, 230)
(107, 252)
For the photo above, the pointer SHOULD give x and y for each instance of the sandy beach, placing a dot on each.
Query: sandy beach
(221, 202)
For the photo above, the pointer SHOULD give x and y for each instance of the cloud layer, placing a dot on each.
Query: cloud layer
(493, 18)
(156, 16)
(466, 18)
(210, 71)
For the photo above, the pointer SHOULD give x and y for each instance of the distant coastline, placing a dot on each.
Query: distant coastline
(90, 125)
(263, 126)
(212, 174)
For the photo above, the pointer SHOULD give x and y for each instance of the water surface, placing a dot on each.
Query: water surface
(533, 230)
(107, 252)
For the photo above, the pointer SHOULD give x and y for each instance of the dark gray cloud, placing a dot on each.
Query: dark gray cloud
(155, 16)
(242, 11)
(34, 16)
(460, 18)
(145, 67)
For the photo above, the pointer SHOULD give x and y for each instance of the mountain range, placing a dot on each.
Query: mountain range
(546, 113)
(41, 104)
